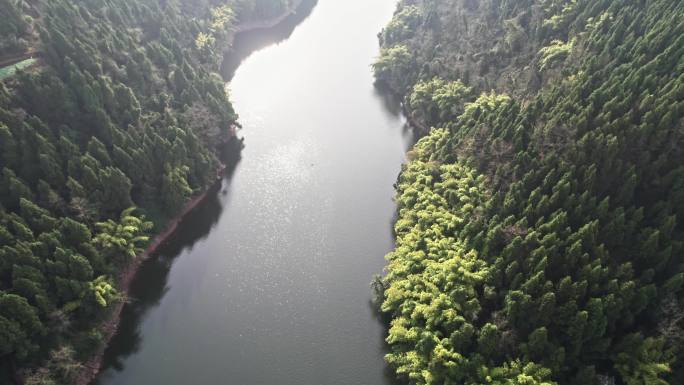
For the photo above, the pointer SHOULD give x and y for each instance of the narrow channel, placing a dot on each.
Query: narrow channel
(268, 282)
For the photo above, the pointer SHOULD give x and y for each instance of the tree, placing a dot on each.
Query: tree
(175, 190)
(123, 240)
(102, 124)
(13, 189)
(393, 65)
(117, 195)
(572, 220)
(20, 324)
(437, 101)
(642, 361)
(74, 233)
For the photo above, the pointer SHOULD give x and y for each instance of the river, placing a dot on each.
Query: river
(267, 283)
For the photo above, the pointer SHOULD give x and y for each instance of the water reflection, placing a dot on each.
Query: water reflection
(277, 293)
(393, 105)
(150, 283)
(390, 100)
(253, 41)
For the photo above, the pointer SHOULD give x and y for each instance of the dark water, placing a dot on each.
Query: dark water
(268, 282)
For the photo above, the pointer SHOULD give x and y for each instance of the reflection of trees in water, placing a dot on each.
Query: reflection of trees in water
(392, 103)
(249, 42)
(150, 283)
(390, 100)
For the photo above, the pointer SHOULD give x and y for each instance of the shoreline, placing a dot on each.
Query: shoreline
(413, 122)
(270, 23)
(109, 327)
(256, 25)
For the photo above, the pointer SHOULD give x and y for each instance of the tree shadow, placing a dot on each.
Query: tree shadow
(388, 373)
(390, 100)
(247, 43)
(151, 281)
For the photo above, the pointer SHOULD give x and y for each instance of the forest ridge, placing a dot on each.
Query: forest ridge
(120, 106)
(539, 238)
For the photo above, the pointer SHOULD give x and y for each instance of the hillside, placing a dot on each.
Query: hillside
(539, 238)
(123, 109)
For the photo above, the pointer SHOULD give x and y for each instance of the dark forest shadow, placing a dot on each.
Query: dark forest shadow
(151, 282)
(390, 100)
(247, 43)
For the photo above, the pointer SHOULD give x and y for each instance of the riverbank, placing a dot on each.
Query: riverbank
(267, 282)
(109, 328)
(419, 127)
(260, 24)
(270, 23)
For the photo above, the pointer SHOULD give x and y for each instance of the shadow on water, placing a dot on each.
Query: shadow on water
(393, 104)
(384, 319)
(390, 100)
(247, 43)
(150, 283)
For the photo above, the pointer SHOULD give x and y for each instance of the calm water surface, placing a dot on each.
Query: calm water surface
(268, 282)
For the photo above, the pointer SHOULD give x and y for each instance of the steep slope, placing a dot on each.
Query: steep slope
(539, 237)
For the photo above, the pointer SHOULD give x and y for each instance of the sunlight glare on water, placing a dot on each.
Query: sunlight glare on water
(268, 283)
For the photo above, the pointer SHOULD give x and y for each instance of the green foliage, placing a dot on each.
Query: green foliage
(394, 61)
(402, 26)
(14, 29)
(175, 189)
(539, 238)
(61, 367)
(20, 324)
(644, 361)
(220, 24)
(122, 108)
(553, 54)
(437, 101)
(123, 240)
(102, 291)
(10, 70)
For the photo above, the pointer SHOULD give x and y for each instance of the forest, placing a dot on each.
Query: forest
(110, 127)
(539, 232)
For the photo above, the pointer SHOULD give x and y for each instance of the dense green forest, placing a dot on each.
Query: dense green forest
(123, 109)
(539, 237)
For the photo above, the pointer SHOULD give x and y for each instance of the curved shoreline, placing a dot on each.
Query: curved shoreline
(414, 122)
(109, 327)
(270, 23)
(260, 24)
